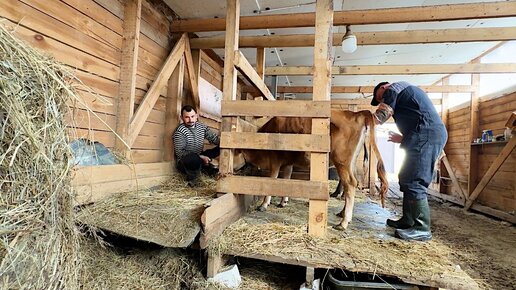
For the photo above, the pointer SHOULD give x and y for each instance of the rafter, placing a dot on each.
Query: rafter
(399, 69)
(364, 89)
(370, 38)
(357, 17)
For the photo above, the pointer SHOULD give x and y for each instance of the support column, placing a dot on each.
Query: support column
(318, 209)
(473, 133)
(230, 76)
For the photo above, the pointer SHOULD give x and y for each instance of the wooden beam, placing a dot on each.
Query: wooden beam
(173, 107)
(317, 209)
(193, 75)
(480, 208)
(230, 77)
(251, 75)
(284, 108)
(260, 62)
(152, 95)
(275, 141)
(370, 38)
(365, 101)
(264, 186)
(474, 132)
(506, 151)
(220, 213)
(468, 68)
(128, 68)
(369, 89)
(455, 181)
(356, 17)
(93, 183)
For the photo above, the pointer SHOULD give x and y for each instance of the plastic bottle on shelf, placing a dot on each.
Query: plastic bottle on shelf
(484, 136)
(507, 133)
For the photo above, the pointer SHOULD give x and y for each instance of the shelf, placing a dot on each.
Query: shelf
(488, 143)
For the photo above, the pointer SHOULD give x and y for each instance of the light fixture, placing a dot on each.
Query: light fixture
(349, 41)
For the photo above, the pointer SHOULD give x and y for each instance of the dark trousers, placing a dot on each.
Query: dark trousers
(416, 173)
(191, 164)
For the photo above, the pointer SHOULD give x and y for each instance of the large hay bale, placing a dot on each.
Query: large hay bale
(38, 237)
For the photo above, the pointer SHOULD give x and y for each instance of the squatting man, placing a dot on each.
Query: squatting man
(188, 146)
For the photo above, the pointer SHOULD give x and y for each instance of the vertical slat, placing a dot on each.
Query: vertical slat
(128, 65)
(318, 210)
(260, 61)
(230, 76)
(174, 101)
(474, 132)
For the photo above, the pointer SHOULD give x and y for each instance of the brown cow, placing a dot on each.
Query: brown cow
(347, 132)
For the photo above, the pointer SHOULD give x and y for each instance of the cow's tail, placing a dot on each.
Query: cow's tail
(384, 187)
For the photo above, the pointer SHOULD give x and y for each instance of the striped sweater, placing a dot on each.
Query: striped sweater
(191, 139)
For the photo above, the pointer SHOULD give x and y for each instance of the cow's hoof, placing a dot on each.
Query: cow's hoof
(282, 205)
(339, 227)
(261, 208)
(339, 214)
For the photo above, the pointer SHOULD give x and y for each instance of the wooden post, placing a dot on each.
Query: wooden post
(173, 113)
(128, 64)
(230, 77)
(444, 118)
(260, 61)
(318, 210)
(473, 133)
(229, 94)
(214, 264)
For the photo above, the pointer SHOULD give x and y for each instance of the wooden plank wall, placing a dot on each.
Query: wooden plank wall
(500, 193)
(86, 36)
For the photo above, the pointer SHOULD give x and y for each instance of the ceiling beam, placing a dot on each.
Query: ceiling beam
(398, 69)
(369, 89)
(365, 101)
(357, 17)
(369, 38)
(361, 89)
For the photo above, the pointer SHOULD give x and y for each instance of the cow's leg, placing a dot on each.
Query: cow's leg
(347, 177)
(267, 199)
(338, 190)
(287, 173)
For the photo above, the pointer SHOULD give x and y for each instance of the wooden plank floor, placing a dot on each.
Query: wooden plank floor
(279, 235)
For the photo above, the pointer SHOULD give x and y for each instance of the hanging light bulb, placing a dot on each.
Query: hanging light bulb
(349, 41)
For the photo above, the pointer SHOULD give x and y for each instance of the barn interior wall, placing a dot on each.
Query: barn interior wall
(500, 193)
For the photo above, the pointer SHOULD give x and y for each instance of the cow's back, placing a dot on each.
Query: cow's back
(292, 125)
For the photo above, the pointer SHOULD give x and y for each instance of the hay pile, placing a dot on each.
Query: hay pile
(355, 250)
(169, 216)
(106, 267)
(38, 237)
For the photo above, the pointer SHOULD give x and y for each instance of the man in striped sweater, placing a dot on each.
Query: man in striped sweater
(188, 146)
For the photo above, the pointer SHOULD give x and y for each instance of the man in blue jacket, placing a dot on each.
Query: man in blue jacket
(423, 138)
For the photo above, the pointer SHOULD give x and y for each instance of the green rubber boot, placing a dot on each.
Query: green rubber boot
(420, 231)
(405, 222)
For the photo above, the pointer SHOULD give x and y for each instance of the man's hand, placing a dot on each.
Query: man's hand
(205, 159)
(395, 137)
